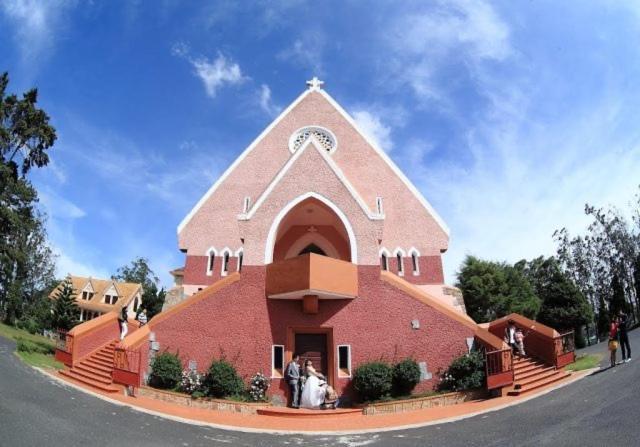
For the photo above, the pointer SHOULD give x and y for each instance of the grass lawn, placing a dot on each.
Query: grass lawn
(31, 358)
(39, 360)
(15, 333)
(587, 361)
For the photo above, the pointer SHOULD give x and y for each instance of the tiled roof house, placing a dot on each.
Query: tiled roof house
(99, 296)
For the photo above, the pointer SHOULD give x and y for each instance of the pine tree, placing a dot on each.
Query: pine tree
(66, 313)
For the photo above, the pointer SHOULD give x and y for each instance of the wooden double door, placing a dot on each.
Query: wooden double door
(313, 347)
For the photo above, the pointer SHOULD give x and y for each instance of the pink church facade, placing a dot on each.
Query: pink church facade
(313, 241)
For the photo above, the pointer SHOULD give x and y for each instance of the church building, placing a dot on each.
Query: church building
(313, 241)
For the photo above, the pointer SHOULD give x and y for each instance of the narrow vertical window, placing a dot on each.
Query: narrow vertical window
(225, 263)
(246, 203)
(400, 266)
(210, 261)
(135, 305)
(379, 205)
(414, 262)
(277, 361)
(384, 262)
(240, 256)
(344, 361)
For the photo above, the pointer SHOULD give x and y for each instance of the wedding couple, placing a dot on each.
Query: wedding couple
(308, 387)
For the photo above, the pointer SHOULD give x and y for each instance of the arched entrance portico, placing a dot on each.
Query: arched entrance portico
(311, 223)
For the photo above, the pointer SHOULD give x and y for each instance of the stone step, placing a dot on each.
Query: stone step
(102, 356)
(536, 378)
(533, 386)
(519, 375)
(99, 366)
(105, 375)
(303, 413)
(88, 375)
(108, 388)
(101, 362)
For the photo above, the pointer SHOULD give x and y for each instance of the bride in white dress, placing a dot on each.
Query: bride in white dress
(313, 392)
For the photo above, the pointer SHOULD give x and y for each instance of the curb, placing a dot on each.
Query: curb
(580, 375)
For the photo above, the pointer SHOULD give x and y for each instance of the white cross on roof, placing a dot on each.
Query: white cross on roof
(315, 83)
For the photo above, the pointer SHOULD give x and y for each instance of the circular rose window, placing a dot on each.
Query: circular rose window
(324, 136)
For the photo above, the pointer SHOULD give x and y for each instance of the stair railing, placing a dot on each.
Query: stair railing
(126, 366)
(565, 348)
(499, 368)
(64, 347)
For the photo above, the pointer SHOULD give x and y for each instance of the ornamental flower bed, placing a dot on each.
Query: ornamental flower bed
(258, 387)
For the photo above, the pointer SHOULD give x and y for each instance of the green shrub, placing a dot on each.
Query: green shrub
(373, 380)
(465, 373)
(166, 371)
(406, 375)
(24, 345)
(222, 380)
(580, 340)
(30, 325)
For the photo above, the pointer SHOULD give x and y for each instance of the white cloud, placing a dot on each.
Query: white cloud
(373, 127)
(266, 102)
(464, 33)
(217, 72)
(214, 73)
(70, 264)
(528, 178)
(58, 207)
(35, 23)
(307, 51)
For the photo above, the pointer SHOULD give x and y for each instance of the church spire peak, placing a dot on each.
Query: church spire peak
(315, 84)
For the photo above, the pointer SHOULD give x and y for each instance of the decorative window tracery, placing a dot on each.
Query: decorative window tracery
(324, 136)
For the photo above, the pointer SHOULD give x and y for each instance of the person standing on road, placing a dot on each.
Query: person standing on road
(613, 340)
(624, 337)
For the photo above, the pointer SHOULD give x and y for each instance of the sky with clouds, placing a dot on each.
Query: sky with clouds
(507, 115)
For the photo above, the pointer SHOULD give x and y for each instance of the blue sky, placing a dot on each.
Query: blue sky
(508, 116)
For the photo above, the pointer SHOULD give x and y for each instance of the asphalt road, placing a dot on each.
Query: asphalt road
(600, 410)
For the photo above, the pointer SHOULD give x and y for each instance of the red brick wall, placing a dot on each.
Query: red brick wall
(195, 269)
(241, 324)
(430, 271)
(88, 342)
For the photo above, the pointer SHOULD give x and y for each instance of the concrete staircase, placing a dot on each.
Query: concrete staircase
(96, 370)
(530, 374)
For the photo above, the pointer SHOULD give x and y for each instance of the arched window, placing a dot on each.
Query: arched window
(211, 260)
(384, 262)
(135, 305)
(415, 261)
(225, 263)
(240, 256)
(400, 266)
(312, 248)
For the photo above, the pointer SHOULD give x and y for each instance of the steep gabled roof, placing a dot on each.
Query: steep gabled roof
(394, 168)
(126, 292)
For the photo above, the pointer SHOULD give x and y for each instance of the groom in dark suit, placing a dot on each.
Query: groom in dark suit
(292, 374)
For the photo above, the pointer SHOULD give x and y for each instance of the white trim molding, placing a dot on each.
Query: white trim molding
(313, 127)
(223, 252)
(239, 252)
(400, 254)
(239, 160)
(423, 201)
(284, 362)
(210, 251)
(311, 142)
(340, 374)
(414, 252)
(273, 231)
(387, 255)
(312, 238)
